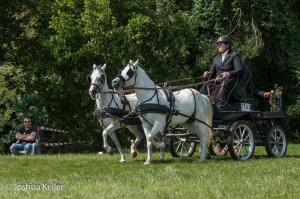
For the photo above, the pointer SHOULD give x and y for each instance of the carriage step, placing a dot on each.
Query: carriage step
(169, 135)
(221, 129)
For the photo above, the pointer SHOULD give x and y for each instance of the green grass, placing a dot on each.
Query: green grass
(94, 176)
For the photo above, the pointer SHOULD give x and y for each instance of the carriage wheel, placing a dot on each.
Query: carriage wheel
(183, 145)
(275, 142)
(241, 142)
(218, 149)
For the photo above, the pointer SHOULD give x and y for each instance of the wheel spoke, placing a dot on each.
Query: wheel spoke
(236, 133)
(273, 136)
(242, 132)
(240, 150)
(247, 137)
(178, 146)
(280, 143)
(279, 137)
(274, 149)
(181, 148)
(245, 151)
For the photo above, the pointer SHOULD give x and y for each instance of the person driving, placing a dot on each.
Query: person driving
(226, 67)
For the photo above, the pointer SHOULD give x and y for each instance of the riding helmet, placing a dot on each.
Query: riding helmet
(224, 39)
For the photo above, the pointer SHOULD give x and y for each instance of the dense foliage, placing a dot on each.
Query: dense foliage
(48, 47)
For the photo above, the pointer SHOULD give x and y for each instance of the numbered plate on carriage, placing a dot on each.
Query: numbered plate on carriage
(245, 107)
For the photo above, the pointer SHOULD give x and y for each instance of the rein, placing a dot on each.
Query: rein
(131, 89)
(179, 80)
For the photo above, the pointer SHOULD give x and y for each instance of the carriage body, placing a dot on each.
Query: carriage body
(237, 130)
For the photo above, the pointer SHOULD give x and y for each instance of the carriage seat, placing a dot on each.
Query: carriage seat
(239, 97)
(240, 90)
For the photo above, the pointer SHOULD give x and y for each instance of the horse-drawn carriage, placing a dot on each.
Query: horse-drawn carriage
(238, 128)
(185, 116)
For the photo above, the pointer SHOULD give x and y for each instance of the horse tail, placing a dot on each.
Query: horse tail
(208, 120)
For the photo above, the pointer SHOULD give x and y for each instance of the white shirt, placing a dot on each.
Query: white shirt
(223, 55)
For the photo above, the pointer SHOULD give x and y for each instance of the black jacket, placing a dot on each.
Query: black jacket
(232, 64)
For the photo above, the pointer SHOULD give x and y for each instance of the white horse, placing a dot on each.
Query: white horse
(108, 100)
(194, 111)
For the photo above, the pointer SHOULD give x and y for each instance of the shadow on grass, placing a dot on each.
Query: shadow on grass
(267, 157)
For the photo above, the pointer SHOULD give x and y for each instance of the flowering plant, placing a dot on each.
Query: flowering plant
(275, 96)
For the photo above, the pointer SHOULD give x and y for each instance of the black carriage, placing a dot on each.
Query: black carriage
(237, 129)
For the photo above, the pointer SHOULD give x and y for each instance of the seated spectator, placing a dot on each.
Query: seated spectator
(26, 138)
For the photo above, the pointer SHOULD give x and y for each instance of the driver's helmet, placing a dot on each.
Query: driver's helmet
(224, 39)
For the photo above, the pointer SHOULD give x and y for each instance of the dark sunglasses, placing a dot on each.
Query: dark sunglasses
(27, 121)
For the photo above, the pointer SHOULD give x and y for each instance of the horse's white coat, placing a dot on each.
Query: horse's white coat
(103, 100)
(184, 103)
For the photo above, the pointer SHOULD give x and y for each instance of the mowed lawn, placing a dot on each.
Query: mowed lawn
(102, 176)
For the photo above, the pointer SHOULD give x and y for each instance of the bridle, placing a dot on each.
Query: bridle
(130, 73)
(102, 78)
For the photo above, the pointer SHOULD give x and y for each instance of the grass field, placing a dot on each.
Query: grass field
(102, 176)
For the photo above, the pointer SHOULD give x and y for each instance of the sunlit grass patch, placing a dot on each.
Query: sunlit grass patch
(103, 176)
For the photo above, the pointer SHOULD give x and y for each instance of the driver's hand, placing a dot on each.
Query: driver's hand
(225, 75)
(206, 74)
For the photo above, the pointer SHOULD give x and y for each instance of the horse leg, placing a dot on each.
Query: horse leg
(147, 128)
(138, 138)
(200, 131)
(104, 135)
(110, 131)
(162, 150)
(203, 142)
(157, 127)
(117, 143)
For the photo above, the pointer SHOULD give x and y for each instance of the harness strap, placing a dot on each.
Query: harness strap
(155, 93)
(195, 104)
(171, 100)
(196, 120)
(113, 98)
(124, 101)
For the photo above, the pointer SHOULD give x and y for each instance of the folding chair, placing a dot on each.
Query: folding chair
(35, 146)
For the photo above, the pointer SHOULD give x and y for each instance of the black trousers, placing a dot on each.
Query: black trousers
(220, 91)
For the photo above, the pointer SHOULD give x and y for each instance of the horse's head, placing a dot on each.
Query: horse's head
(125, 77)
(97, 80)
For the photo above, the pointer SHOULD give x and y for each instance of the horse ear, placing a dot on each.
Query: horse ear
(136, 62)
(94, 66)
(130, 61)
(104, 67)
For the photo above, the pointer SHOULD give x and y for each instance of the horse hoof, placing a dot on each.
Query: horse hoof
(133, 155)
(208, 156)
(147, 163)
(111, 152)
(122, 161)
(200, 160)
(162, 160)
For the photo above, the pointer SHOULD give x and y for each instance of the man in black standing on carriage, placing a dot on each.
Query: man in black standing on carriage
(226, 68)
